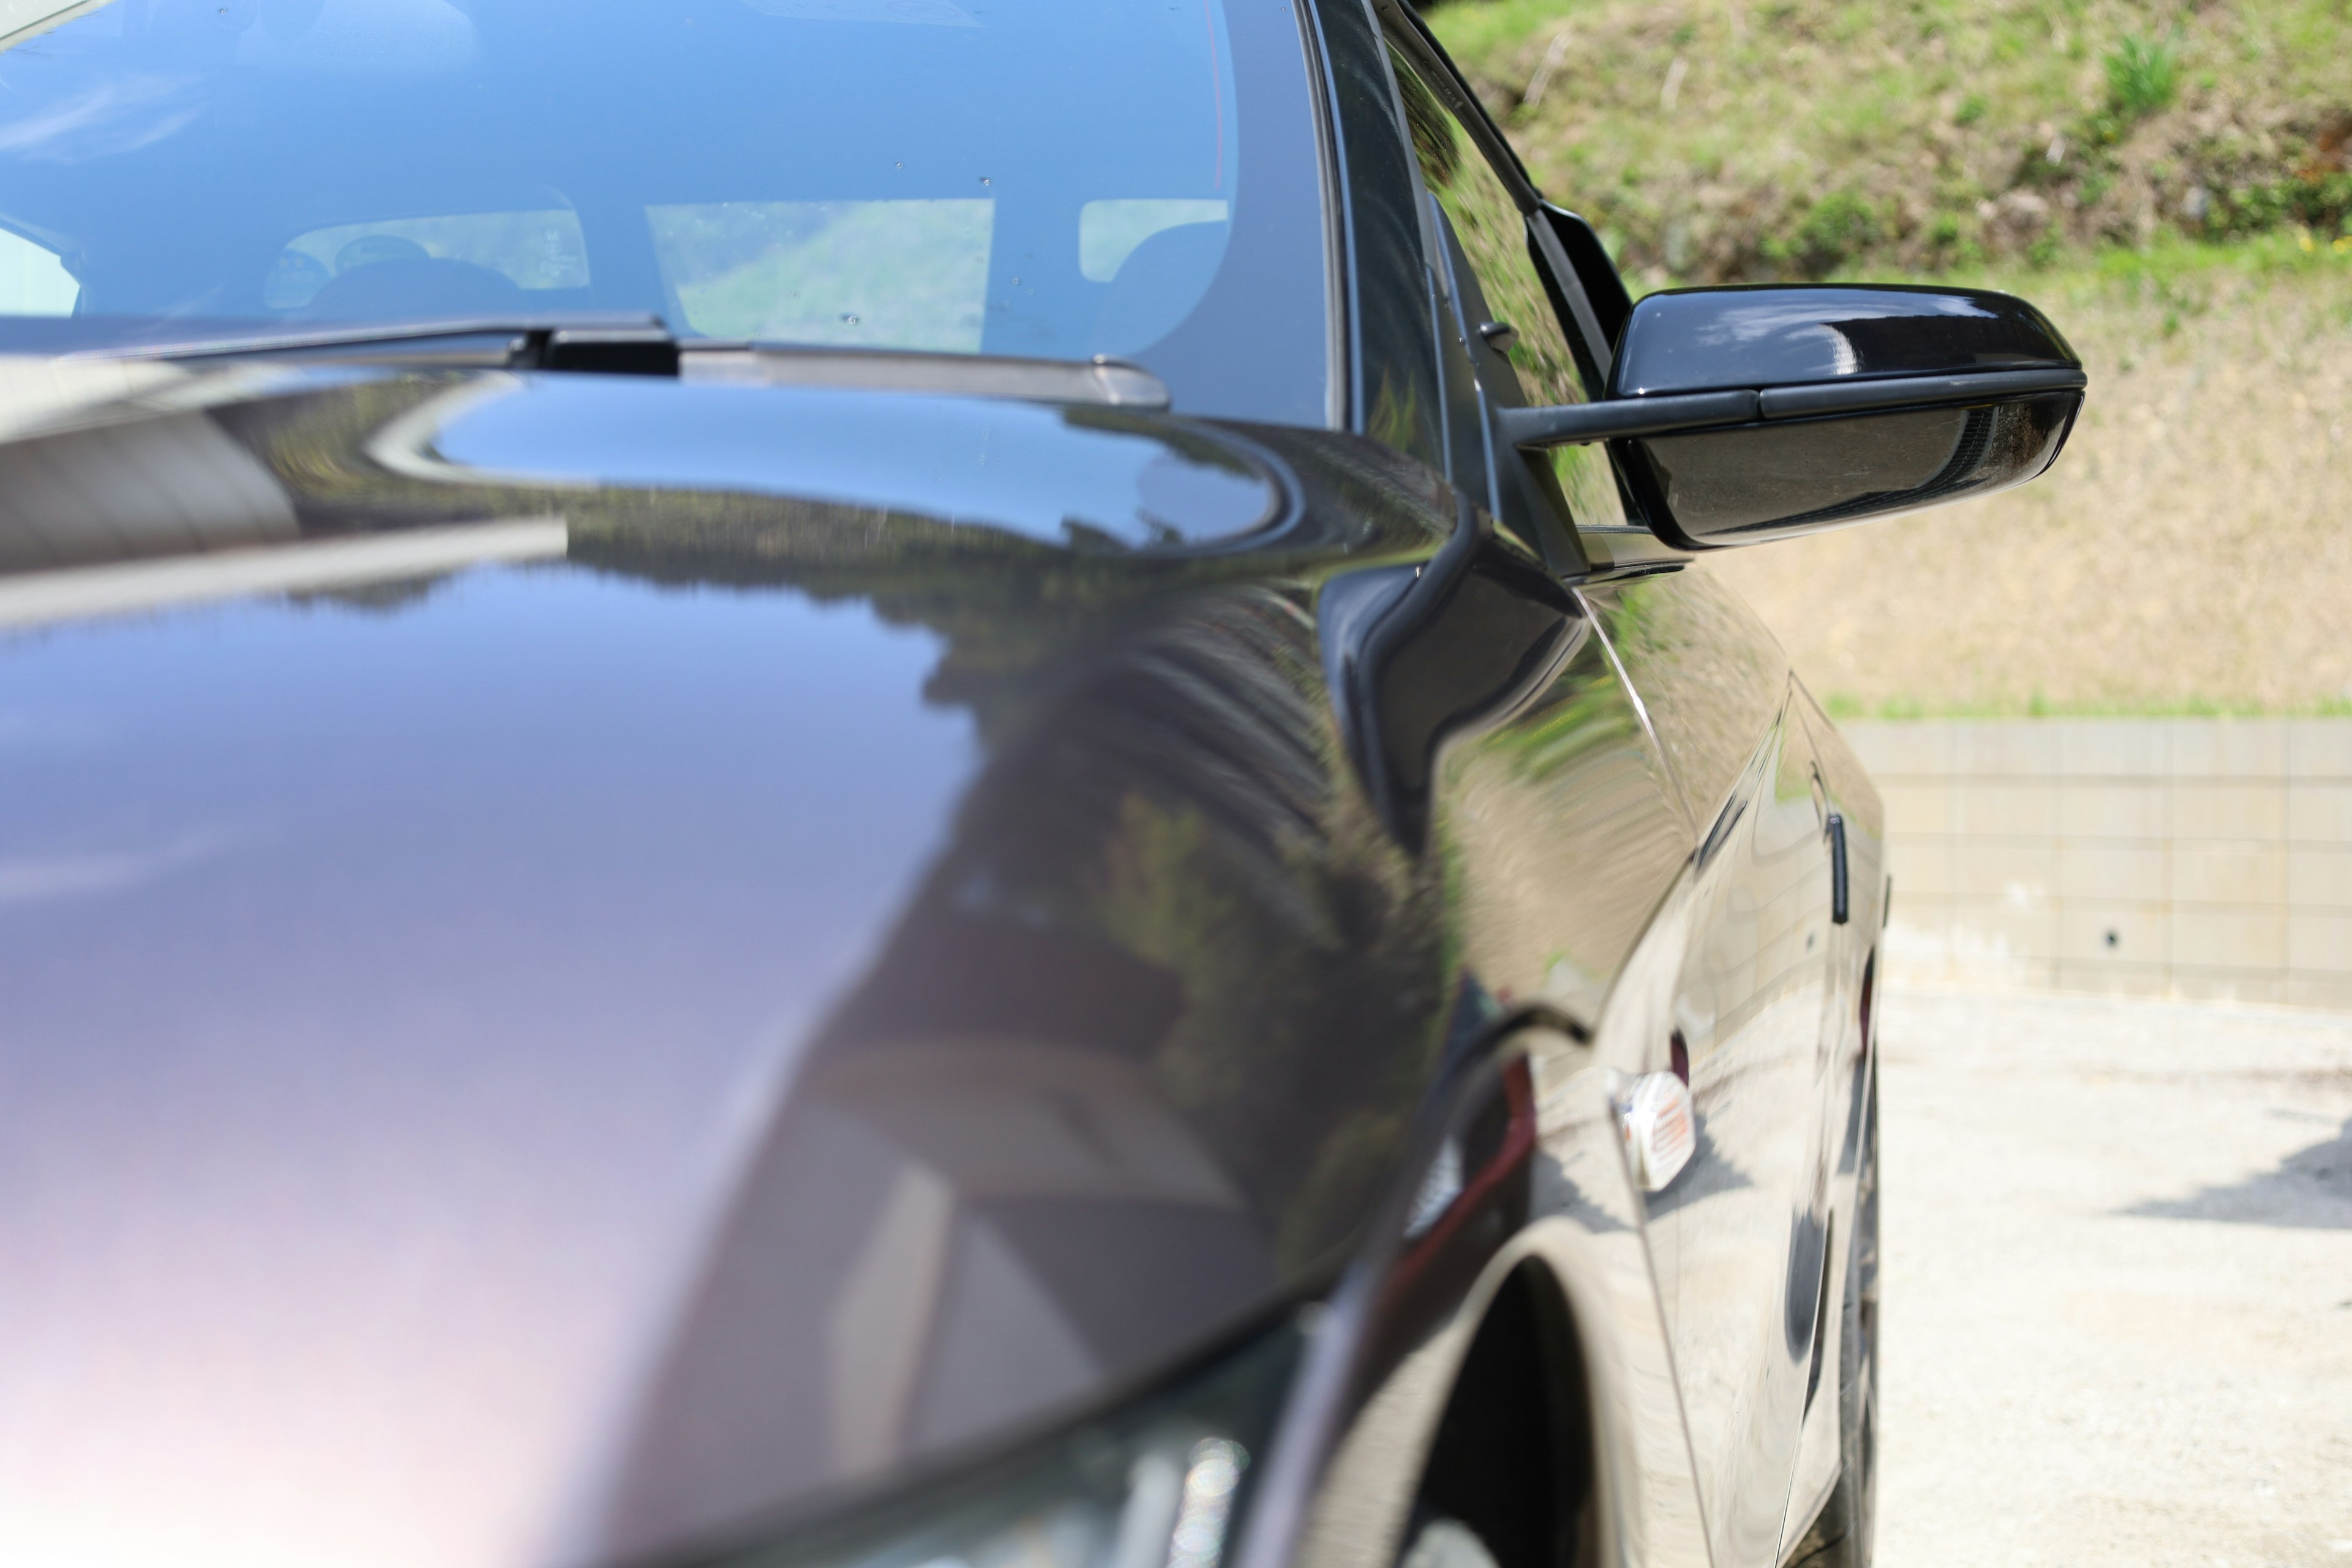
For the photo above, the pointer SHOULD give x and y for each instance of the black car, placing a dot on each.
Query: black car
(916, 783)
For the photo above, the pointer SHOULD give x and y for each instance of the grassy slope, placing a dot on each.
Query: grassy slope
(1805, 137)
(2192, 551)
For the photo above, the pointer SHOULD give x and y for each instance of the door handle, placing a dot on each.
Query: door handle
(1838, 903)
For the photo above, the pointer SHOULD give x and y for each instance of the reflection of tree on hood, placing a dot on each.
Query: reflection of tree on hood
(1166, 800)
(1184, 806)
(1003, 602)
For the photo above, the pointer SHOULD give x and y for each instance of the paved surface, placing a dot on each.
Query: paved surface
(2117, 1283)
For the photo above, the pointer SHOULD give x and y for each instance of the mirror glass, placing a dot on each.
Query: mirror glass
(1802, 475)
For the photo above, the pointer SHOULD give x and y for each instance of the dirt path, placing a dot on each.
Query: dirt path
(2192, 548)
(2117, 1318)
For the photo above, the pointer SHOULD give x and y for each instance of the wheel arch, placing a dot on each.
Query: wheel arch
(1569, 1289)
(1513, 1456)
(1608, 1399)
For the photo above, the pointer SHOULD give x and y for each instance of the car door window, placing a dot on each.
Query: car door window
(1492, 230)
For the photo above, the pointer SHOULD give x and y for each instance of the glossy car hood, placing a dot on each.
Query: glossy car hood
(590, 959)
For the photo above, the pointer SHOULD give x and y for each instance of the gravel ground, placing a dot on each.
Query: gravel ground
(2117, 1283)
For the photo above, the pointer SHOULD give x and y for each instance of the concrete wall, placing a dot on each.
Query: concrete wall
(2203, 857)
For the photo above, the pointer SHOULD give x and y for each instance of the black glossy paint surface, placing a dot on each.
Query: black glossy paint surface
(1395, 392)
(820, 959)
(1789, 477)
(1695, 340)
(599, 967)
(1082, 478)
(390, 983)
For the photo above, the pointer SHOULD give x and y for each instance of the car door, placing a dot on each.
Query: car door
(1842, 1088)
(1500, 744)
(1535, 780)
(1739, 1237)
(1736, 1239)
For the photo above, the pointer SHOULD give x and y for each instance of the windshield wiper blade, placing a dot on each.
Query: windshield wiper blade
(620, 344)
(1102, 380)
(628, 344)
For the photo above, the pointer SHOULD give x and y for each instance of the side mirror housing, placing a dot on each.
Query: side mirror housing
(1745, 414)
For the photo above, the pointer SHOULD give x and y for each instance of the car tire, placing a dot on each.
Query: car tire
(1840, 1535)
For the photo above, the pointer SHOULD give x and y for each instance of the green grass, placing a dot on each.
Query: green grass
(2171, 183)
(2143, 76)
(2185, 277)
(1818, 138)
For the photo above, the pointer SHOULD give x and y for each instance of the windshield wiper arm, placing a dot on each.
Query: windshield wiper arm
(616, 344)
(621, 344)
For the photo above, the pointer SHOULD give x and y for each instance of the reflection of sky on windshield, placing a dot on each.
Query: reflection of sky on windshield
(1016, 465)
(100, 121)
(170, 151)
(386, 989)
(21, 21)
(360, 35)
(310, 35)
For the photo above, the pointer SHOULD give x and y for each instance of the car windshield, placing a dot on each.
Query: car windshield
(1050, 178)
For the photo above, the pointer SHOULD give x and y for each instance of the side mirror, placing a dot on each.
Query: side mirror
(1747, 414)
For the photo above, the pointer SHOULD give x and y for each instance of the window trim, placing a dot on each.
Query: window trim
(1410, 32)
(1339, 272)
(1633, 545)
(1407, 32)
(1390, 306)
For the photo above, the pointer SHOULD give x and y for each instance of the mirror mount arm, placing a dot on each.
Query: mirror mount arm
(1871, 394)
(1572, 424)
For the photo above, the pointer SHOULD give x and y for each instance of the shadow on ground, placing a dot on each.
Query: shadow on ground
(2311, 1190)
